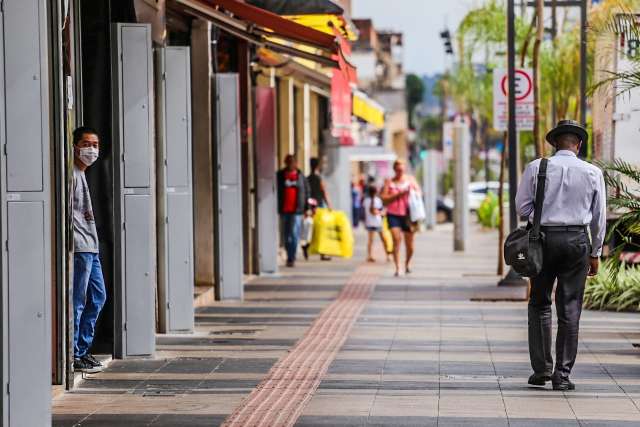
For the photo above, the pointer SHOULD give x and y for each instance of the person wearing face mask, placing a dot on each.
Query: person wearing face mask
(574, 206)
(89, 294)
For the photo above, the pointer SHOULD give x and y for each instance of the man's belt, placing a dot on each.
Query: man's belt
(566, 228)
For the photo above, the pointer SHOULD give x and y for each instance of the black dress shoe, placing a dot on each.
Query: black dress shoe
(537, 379)
(563, 384)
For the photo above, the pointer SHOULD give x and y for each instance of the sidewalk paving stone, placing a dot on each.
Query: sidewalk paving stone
(443, 346)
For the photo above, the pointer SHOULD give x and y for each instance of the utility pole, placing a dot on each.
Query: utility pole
(583, 71)
(462, 160)
(429, 188)
(512, 138)
(512, 278)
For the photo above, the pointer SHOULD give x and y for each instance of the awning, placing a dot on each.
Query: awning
(367, 109)
(297, 7)
(263, 28)
(283, 27)
(269, 58)
(326, 23)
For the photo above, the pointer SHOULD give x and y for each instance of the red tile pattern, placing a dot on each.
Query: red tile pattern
(283, 394)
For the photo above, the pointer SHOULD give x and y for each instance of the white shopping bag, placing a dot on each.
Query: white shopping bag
(416, 207)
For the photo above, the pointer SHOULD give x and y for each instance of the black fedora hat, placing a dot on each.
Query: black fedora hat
(567, 126)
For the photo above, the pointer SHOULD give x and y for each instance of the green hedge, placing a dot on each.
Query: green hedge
(610, 291)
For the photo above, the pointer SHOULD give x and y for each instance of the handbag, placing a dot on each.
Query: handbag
(523, 248)
(416, 207)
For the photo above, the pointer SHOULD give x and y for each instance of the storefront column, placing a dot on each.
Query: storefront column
(203, 173)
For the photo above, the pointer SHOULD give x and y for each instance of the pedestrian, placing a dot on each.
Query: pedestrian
(307, 227)
(317, 187)
(89, 294)
(318, 192)
(395, 195)
(373, 210)
(293, 192)
(574, 201)
(356, 203)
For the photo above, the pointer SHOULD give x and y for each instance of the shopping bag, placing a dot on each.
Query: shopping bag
(386, 236)
(416, 207)
(332, 234)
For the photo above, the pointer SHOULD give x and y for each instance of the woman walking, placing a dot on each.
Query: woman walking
(395, 195)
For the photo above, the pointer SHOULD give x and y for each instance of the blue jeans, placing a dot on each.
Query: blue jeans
(89, 296)
(291, 228)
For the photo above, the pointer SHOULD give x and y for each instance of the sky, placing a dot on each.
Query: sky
(421, 21)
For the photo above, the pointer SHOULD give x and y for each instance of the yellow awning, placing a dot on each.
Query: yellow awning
(326, 23)
(367, 109)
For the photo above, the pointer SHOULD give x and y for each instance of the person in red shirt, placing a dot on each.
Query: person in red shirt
(293, 192)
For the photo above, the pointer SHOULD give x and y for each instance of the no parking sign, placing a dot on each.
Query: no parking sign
(524, 99)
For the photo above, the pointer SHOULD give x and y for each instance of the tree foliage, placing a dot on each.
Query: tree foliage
(415, 92)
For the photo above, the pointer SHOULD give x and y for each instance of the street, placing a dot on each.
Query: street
(342, 343)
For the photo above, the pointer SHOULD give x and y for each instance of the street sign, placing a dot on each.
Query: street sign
(524, 99)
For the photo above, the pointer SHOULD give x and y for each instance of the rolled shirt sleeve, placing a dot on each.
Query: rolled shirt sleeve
(525, 195)
(598, 224)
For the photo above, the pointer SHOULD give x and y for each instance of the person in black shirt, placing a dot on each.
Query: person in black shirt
(316, 185)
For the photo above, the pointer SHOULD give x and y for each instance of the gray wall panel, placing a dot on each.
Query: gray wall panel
(23, 88)
(177, 121)
(135, 301)
(25, 212)
(179, 258)
(229, 227)
(228, 129)
(266, 170)
(139, 292)
(136, 120)
(30, 373)
(175, 200)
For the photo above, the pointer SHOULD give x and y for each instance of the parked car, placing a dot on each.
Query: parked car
(444, 213)
(477, 193)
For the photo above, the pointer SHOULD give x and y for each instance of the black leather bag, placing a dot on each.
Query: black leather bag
(523, 248)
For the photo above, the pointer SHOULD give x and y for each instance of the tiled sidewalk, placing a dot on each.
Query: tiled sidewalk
(429, 349)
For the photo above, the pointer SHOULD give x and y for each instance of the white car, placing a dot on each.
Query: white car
(477, 193)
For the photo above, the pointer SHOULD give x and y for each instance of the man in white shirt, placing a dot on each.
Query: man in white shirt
(574, 202)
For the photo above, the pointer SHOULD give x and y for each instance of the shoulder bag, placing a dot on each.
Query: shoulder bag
(523, 248)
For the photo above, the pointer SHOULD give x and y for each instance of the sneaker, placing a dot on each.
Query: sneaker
(82, 365)
(92, 360)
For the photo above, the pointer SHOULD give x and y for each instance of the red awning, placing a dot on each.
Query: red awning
(279, 25)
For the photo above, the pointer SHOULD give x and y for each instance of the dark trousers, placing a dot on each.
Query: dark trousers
(566, 258)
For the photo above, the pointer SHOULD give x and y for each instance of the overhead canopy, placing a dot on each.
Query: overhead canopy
(297, 7)
(290, 67)
(264, 28)
(268, 20)
(367, 109)
(326, 23)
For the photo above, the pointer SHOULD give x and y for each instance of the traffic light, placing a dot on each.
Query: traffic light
(445, 35)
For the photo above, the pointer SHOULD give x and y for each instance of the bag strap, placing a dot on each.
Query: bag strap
(537, 212)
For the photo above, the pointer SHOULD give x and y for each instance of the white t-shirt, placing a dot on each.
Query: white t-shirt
(371, 220)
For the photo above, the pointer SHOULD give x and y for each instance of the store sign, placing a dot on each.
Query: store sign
(524, 99)
(341, 108)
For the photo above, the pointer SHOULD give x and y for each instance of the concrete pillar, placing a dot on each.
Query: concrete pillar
(429, 188)
(338, 176)
(285, 119)
(203, 177)
(306, 127)
(462, 161)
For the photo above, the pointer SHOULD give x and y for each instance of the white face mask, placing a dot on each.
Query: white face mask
(88, 155)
